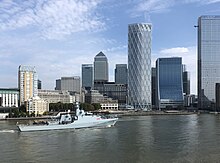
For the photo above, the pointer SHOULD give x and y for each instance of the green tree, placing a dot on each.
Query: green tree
(97, 106)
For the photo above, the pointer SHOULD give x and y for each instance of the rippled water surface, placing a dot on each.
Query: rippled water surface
(186, 138)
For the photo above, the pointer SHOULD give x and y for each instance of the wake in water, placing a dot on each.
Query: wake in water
(7, 131)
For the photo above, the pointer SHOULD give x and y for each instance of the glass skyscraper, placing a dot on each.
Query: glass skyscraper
(121, 74)
(208, 59)
(87, 76)
(139, 66)
(100, 67)
(169, 83)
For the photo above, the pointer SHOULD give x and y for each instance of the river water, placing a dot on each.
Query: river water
(137, 139)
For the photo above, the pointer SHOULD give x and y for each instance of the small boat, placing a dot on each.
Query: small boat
(81, 119)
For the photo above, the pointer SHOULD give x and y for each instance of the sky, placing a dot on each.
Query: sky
(58, 36)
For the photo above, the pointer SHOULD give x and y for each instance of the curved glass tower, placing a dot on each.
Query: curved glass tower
(139, 66)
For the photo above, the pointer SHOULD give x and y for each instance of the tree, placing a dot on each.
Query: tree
(97, 106)
(87, 107)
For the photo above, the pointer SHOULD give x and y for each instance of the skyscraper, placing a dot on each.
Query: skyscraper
(100, 67)
(87, 76)
(208, 59)
(153, 86)
(169, 82)
(186, 81)
(121, 74)
(139, 66)
(27, 82)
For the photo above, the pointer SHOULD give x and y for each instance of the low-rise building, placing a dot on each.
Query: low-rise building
(37, 105)
(106, 103)
(55, 96)
(9, 97)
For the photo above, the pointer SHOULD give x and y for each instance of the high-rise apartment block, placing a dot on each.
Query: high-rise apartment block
(121, 74)
(27, 82)
(87, 76)
(208, 60)
(139, 66)
(169, 83)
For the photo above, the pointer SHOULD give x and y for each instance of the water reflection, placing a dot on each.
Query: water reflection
(187, 138)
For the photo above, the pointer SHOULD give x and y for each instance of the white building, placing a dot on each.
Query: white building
(9, 97)
(139, 66)
(37, 105)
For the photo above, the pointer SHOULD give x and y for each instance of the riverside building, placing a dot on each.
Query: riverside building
(169, 83)
(27, 83)
(139, 66)
(208, 60)
(9, 97)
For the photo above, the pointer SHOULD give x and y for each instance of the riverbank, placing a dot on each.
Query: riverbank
(118, 113)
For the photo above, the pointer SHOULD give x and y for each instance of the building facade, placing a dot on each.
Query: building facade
(58, 84)
(153, 87)
(27, 82)
(55, 96)
(37, 106)
(121, 74)
(87, 76)
(186, 81)
(100, 67)
(169, 83)
(93, 96)
(71, 84)
(139, 66)
(208, 60)
(9, 97)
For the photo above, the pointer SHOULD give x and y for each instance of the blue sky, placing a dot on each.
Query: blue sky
(57, 36)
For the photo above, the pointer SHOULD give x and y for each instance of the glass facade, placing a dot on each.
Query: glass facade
(87, 76)
(100, 67)
(208, 59)
(169, 82)
(121, 74)
(139, 66)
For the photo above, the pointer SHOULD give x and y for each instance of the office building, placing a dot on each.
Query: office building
(93, 96)
(121, 74)
(58, 84)
(208, 60)
(169, 83)
(39, 84)
(27, 82)
(186, 81)
(153, 86)
(87, 76)
(100, 68)
(139, 66)
(71, 84)
(55, 96)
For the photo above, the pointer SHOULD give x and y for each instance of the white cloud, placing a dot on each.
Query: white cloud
(53, 18)
(176, 50)
(160, 6)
